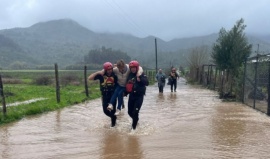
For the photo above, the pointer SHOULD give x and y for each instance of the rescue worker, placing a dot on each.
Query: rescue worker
(108, 81)
(121, 71)
(136, 88)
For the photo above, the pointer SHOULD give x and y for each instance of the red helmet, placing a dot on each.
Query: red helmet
(134, 64)
(107, 66)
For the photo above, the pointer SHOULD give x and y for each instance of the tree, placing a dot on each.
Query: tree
(197, 57)
(231, 49)
(220, 53)
(230, 52)
(99, 56)
(18, 65)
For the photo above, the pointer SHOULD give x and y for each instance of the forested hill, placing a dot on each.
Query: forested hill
(66, 42)
(11, 52)
(8, 43)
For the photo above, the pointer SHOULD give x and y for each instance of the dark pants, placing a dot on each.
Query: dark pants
(106, 97)
(134, 106)
(173, 85)
(160, 87)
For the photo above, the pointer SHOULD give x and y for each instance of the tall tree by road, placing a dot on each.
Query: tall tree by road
(229, 53)
(231, 48)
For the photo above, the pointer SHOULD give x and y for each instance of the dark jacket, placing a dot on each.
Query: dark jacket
(107, 83)
(139, 87)
(174, 76)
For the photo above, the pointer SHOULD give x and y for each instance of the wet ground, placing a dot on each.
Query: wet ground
(189, 123)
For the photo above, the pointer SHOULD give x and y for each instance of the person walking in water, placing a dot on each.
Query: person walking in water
(108, 83)
(136, 88)
(161, 79)
(121, 71)
(174, 77)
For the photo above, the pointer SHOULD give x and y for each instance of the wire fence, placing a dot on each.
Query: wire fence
(209, 76)
(62, 79)
(256, 83)
(254, 87)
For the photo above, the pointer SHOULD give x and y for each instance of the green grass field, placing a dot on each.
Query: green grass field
(24, 89)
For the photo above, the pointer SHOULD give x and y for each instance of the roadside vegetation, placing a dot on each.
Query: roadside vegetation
(228, 55)
(25, 85)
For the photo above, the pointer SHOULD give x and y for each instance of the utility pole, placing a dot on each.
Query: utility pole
(255, 78)
(258, 49)
(156, 53)
(3, 96)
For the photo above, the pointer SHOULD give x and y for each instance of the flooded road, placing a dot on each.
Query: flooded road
(189, 123)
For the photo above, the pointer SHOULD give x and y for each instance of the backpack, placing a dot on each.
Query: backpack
(162, 79)
(169, 80)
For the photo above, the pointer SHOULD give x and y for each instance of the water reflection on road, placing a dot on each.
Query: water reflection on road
(189, 123)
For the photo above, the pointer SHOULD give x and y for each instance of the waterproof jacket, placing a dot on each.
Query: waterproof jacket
(174, 76)
(159, 77)
(139, 87)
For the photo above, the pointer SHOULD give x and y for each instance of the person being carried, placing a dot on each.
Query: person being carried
(161, 79)
(108, 83)
(136, 88)
(121, 71)
(173, 77)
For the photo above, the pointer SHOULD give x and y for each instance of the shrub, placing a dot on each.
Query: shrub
(11, 81)
(43, 80)
(69, 79)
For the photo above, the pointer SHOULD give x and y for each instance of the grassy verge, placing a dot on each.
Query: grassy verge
(69, 95)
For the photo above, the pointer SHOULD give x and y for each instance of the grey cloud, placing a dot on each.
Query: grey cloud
(164, 19)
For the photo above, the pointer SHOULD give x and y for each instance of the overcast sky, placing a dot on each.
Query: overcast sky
(165, 19)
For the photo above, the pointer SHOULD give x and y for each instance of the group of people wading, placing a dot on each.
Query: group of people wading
(172, 79)
(119, 80)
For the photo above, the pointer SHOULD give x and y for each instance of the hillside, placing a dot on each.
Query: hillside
(11, 53)
(66, 42)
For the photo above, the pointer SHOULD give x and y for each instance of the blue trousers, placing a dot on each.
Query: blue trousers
(118, 93)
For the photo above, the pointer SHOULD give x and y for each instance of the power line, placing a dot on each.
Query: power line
(125, 17)
(130, 19)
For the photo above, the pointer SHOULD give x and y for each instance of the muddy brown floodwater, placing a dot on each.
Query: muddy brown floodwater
(190, 123)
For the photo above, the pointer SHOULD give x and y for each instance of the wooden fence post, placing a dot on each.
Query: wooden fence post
(255, 83)
(57, 83)
(215, 78)
(3, 96)
(211, 71)
(85, 81)
(268, 90)
(202, 75)
(244, 81)
(222, 83)
(208, 74)
(197, 74)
